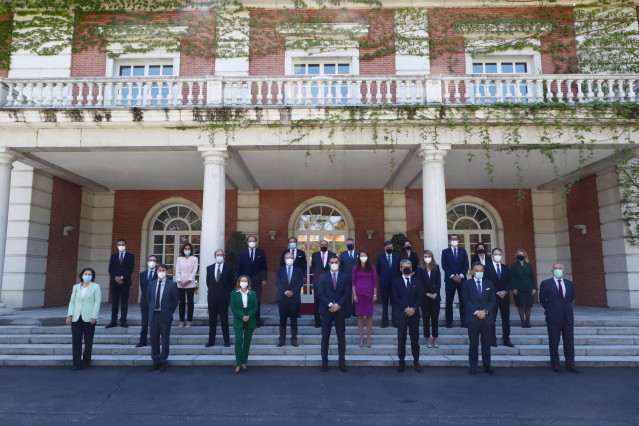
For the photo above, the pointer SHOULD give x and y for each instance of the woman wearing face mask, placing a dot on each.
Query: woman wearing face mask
(409, 254)
(428, 272)
(480, 255)
(84, 307)
(364, 295)
(244, 308)
(522, 281)
(185, 271)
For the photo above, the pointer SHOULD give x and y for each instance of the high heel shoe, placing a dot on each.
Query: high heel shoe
(361, 343)
(368, 343)
(237, 371)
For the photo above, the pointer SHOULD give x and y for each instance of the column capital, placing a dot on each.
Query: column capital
(7, 157)
(430, 153)
(214, 154)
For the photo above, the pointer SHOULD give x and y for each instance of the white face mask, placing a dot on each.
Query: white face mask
(363, 259)
(289, 261)
(427, 260)
(252, 244)
(151, 264)
(121, 248)
(479, 275)
(243, 284)
(161, 275)
(334, 267)
(454, 243)
(497, 258)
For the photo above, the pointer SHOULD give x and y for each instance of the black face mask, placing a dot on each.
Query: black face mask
(350, 246)
(406, 271)
(389, 250)
(520, 257)
(408, 248)
(324, 249)
(481, 251)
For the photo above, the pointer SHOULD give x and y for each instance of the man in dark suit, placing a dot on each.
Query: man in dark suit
(298, 255)
(319, 265)
(145, 278)
(387, 270)
(219, 282)
(252, 263)
(163, 299)
(455, 266)
(289, 281)
(478, 295)
(557, 296)
(347, 260)
(333, 295)
(498, 273)
(121, 267)
(407, 300)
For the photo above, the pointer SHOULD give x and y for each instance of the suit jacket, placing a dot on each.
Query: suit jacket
(404, 297)
(346, 264)
(124, 270)
(219, 291)
(387, 273)
(502, 283)
(452, 266)
(282, 284)
(557, 308)
(298, 262)
(318, 267)
(327, 294)
(87, 308)
(168, 303)
(474, 302)
(522, 277)
(238, 309)
(475, 258)
(414, 259)
(432, 284)
(144, 286)
(257, 269)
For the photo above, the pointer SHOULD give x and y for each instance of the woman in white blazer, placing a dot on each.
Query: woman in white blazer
(84, 307)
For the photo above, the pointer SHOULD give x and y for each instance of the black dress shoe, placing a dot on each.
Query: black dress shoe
(494, 345)
(401, 367)
(464, 325)
(124, 325)
(384, 325)
(572, 370)
(449, 325)
(473, 371)
(155, 367)
(324, 368)
(557, 370)
(227, 344)
(163, 367)
(280, 343)
(111, 325)
(318, 325)
(490, 370)
(209, 344)
(140, 345)
(343, 368)
(418, 367)
(509, 344)
(76, 368)
(294, 342)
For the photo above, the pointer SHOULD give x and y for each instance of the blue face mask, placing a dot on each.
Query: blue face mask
(87, 278)
(292, 245)
(219, 259)
(559, 273)
(479, 275)
(187, 252)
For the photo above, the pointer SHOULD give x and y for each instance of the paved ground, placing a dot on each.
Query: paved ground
(304, 396)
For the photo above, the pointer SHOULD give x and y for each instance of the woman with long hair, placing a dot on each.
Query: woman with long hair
(244, 308)
(524, 285)
(430, 275)
(364, 295)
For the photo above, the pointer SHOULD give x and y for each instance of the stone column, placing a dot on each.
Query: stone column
(213, 209)
(6, 164)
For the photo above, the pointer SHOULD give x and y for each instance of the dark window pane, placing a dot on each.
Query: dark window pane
(178, 225)
(125, 71)
(164, 217)
(158, 226)
(138, 70)
(343, 69)
(521, 67)
(197, 225)
(466, 224)
(173, 212)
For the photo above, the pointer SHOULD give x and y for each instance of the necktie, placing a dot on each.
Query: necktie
(390, 261)
(219, 274)
(407, 282)
(334, 281)
(351, 254)
(499, 270)
(252, 255)
(323, 260)
(561, 290)
(455, 253)
(157, 296)
(150, 276)
(289, 274)
(121, 257)
(479, 287)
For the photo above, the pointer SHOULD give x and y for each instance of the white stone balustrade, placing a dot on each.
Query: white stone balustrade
(340, 90)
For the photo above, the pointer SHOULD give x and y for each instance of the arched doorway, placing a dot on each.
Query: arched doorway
(472, 224)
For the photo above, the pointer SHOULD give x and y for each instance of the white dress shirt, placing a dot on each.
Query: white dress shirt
(244, 298)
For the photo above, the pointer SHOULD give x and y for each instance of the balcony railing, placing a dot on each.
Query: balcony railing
(180, 92)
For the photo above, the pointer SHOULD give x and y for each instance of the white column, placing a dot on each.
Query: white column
(213, 209)
(6, 164)
(434, 198)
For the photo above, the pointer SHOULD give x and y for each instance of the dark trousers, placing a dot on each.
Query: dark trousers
(408, 325)
(119, 296)
(565, 331)
(186, 302)
(144, 311)
(451, 288)
(385, 293)
(328, 319)
(316, 306)
(160, 329)
(430, 313)
(82, 330)
(290, 310)
(503, 305)
(257, 288)
(477, 328)
(218, 309)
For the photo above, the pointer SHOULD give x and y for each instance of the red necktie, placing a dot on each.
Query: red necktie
(561, 290)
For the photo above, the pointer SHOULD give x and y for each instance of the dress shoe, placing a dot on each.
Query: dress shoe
(318, 325)
(76, 368)
(490, 370)
(464, 325)
(227, 344)
(509, 344)
(418, 367)
(155, 367)
(384, 325)
(449, 325)
(572, 370)
(163, 367)
(140, 345)
(124, 325)
(557, 370)
(280, 343)
(244, 367)
(494, 345)
(343, 368)
(294, 342)
(473, 371)
(401, 367)
(111, 325)
(324, 368)
(237, 371)
(209, 344)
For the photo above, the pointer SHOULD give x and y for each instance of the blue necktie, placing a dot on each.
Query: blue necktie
(289, 274)
(334, 281)
(499, 271)
(479, 287)
(390, 261)
(150, 276)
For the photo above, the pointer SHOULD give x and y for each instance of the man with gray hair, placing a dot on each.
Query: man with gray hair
(557, 296)
(219, 282)
(406, 297)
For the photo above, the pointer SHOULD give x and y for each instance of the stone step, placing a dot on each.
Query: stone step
(427, 361)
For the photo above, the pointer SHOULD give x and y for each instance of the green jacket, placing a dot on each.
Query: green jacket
(238, 309)
(522, 277)
(87, 308)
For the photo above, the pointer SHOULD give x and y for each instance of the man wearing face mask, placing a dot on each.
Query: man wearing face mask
(220, 283)
(455, 266)
(121, 267)
(333, 295)
(347, 260)
(320, 265)
(478, 294)
(298, 255)
(498, 273)
(145, 278)
(289, 281)
(252, 263)
(407, 291)
(163, 300)
(388, 269)
(557, 295)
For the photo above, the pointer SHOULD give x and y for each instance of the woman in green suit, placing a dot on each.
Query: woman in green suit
(84, 307)
(524, 285)
(244, 308)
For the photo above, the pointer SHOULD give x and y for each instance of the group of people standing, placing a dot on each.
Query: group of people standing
(343, 285)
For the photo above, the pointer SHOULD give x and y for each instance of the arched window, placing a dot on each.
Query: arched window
(473, 225)
(170, 228)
